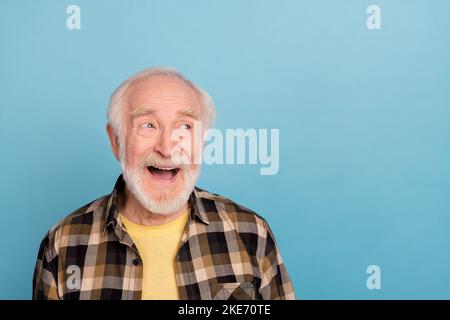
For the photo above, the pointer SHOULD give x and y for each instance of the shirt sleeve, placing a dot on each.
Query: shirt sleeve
(275, 281)
(45, 274)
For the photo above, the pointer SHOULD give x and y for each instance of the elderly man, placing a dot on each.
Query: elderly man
(157, 236)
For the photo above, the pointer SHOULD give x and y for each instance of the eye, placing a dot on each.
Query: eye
(147, 125)
(185, 126)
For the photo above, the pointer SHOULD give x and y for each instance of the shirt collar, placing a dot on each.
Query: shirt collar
(112, 212)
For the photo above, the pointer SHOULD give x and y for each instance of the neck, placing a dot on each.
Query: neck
(133, 210)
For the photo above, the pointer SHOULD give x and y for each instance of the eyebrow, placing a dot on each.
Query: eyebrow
(190, 113)
(140, 111)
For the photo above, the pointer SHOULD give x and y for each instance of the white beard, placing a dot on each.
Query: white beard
(163, 204)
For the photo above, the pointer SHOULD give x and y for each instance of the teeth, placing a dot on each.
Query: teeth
(168, 169)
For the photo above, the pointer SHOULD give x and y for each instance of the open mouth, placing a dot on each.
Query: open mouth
(163, 173)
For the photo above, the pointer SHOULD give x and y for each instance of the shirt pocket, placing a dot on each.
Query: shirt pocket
(233, 291)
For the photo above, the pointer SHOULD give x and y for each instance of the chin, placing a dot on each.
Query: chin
(160, 197)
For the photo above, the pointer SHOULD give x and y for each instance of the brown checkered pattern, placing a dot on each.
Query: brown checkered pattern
(226, 252)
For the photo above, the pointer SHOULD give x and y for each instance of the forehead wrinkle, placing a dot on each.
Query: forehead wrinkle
(156, 99)
(139, 111)
(190, 113)
(137, 96)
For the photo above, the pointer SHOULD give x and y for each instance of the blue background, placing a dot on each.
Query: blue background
(364, 119)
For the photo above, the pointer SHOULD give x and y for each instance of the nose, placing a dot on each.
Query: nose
(164, 144)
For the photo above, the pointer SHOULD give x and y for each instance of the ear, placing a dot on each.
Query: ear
(114, 140)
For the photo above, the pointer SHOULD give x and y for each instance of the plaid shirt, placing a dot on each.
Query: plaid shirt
(226, 252)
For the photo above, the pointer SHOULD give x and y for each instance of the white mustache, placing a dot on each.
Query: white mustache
(156, 160)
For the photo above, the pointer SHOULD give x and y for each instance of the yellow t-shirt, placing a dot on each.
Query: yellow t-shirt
(158, 246)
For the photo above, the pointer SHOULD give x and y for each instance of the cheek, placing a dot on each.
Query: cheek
(184, 146)
(194, 149)
(193, 168)
(136, 150)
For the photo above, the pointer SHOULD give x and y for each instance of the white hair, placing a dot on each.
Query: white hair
(116, 101)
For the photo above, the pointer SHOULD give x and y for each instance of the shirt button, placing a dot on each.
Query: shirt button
(136, 261)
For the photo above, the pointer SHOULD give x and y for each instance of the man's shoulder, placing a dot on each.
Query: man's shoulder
(226, 210)
(83, 216)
